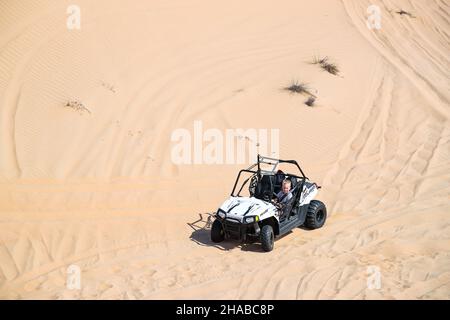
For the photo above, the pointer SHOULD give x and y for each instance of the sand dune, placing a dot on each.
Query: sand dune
(96, 187)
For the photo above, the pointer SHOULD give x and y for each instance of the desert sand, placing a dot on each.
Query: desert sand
(95, 186)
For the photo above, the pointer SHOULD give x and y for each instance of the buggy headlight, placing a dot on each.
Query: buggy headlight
(221, 213)
(251, 219)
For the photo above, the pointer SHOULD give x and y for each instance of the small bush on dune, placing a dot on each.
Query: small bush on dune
(326, 65)
(297, 87)
(77, 105)
(310, 101)
(302, 88)
(403, 12)
(330, 68)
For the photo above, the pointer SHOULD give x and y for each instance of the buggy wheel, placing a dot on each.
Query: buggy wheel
(267, 238)
(217, 233)
(316, 215)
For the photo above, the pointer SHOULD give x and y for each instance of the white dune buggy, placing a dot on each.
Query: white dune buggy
(257, 216)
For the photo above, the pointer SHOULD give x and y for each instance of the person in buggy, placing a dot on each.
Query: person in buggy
(284, 196)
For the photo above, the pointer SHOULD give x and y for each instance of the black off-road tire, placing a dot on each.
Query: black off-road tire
(217, 233)
(267, 238)
(316, 215)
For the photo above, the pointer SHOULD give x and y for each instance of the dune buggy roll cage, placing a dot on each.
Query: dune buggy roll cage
(260, 172)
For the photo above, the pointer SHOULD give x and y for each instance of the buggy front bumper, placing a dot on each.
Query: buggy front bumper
(234, 229)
